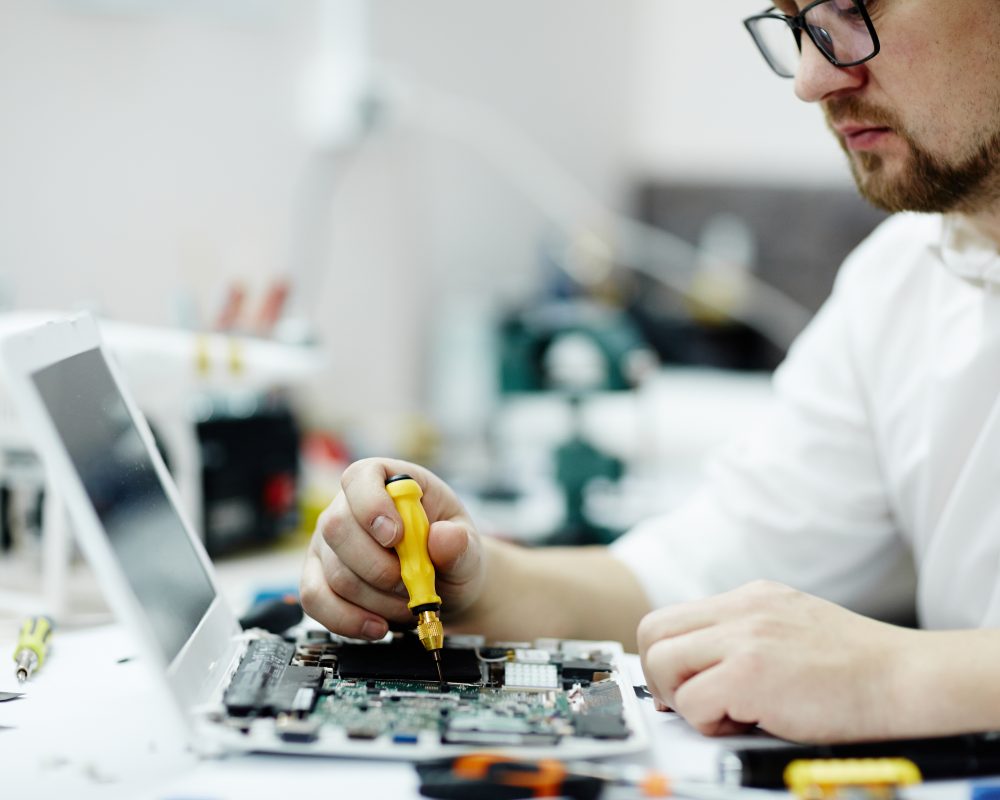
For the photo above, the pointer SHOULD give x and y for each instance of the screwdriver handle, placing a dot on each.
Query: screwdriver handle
(34, 638)
(414, 562)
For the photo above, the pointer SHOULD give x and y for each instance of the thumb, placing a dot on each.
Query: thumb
(456, 555)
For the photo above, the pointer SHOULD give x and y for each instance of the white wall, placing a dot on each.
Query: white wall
(707, 107)
(141, 153)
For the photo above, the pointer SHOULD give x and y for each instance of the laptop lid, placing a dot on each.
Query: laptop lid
(126, 514)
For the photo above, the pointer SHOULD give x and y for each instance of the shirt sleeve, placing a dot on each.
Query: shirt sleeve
(800, 499)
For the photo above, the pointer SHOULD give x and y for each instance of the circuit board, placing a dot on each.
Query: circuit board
(384, 699)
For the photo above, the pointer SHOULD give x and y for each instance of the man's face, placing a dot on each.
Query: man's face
(920, 122)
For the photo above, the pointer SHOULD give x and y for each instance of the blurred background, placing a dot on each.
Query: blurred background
(551, 249)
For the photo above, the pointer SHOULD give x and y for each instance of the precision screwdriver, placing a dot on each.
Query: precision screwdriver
(416, 567)
(32, 646)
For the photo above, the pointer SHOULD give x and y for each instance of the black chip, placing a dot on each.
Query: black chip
(282, 697)
(405, 659)
(582, 670)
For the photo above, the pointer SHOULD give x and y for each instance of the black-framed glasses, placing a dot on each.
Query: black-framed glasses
(841, 30)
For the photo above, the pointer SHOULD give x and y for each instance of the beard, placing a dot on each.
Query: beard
(927, 183)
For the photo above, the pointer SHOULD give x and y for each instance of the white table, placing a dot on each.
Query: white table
(86, 729)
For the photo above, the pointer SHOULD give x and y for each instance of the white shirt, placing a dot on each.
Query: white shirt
(875, 480)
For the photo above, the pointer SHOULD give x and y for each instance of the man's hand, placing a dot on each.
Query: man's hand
(351, 581)
(764, 654)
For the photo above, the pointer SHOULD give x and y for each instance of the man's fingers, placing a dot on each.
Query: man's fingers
(705, 701)
(368, 502)
(697, 614)
(667, 623)
(337, 614)
(355, 547)
(668, 663)
(354, 540)
(346, 584)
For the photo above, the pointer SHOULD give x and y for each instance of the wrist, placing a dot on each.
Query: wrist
(945, 683)
(906, 675)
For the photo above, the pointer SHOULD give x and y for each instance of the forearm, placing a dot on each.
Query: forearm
(569, 593)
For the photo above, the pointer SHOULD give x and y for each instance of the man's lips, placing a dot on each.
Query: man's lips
(862, 137)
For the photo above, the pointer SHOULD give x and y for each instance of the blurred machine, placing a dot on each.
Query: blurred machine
(249, 467)
(574, 349)
(571, 345)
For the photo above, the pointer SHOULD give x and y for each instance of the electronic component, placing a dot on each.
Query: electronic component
(266, 683)
(292, 728)
(405, 660)
(529, 675)
(387, 693)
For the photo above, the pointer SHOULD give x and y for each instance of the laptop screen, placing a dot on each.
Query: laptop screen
(141, 522)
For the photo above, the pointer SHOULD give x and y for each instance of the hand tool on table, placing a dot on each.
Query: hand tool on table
(32, 646)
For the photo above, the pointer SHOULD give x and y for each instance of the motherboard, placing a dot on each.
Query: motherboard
(506, 694)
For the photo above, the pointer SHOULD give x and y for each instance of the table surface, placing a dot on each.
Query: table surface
(87, 727)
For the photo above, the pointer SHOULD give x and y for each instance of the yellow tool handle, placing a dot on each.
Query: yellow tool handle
(414, 562)
(34, 636)
(804, 775)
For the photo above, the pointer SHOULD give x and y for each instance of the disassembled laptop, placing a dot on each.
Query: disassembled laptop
(388, 694)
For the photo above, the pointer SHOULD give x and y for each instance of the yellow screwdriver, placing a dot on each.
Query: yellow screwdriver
(415, 565)
(32, 646)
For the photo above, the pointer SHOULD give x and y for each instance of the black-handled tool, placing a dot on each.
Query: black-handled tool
(276, 615)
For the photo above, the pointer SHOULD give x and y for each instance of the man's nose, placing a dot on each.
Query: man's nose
(817, 79)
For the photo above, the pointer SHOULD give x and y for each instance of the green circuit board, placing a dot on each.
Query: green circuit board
(459, 714)
(502, 694)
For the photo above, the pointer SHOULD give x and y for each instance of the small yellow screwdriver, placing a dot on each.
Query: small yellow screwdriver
(415, 565)
(32, 646)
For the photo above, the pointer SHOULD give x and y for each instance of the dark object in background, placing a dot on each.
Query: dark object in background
(684, 341)
(801, 235)
(249, 473)
(22, 496)
(6, 534)
(275, 615)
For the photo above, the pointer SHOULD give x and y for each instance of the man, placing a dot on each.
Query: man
(879, 464)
